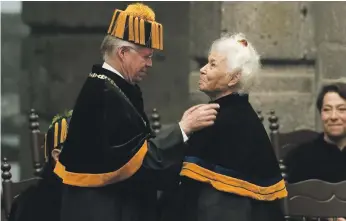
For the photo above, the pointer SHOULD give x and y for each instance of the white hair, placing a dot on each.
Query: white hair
(110, 44)
(243, 58)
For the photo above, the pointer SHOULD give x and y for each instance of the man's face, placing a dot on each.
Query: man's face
(333, 115)
(214, 77)
(136, 63)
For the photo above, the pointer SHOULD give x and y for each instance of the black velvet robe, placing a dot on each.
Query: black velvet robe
(230, 171)
(40, 202)
(316, 160)
(105, 134)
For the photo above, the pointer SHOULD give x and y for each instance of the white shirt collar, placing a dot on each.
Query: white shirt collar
(110, 68)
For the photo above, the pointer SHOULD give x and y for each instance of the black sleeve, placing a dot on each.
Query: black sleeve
(23, 205)
(126, 134)
(166, 149)
(165, 156)
(124, 129)
(295, 166)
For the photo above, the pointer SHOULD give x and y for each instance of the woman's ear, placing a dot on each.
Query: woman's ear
(55, 154)
(235, 78)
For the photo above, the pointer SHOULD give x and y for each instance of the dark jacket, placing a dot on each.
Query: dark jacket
(41, 202)
(316, 160)
(237, 152)
(230, 171)
(111, 164)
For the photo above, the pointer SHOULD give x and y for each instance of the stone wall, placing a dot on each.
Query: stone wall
(279, 30)
(302, 46)
(330, 38)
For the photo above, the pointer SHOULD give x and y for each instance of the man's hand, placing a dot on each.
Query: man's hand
(198, 117)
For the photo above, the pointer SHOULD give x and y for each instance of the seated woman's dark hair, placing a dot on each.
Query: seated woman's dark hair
(339, 88)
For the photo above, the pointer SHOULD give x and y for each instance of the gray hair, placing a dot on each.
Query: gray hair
(239, 57)
(111, 44)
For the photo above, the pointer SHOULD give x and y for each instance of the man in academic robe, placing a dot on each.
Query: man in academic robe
(113, 165)
(42, 202)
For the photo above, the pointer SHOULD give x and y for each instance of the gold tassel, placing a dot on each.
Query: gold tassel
(120, 26)
(63, 130)
(112, 22)
(131, 36)
(142, 33)
(136, 31)
(153, 34)
(161, 37)
(56, 132)
(157, 37)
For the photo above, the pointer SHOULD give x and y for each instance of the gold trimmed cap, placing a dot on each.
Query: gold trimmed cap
(57, 133)
(137, 25)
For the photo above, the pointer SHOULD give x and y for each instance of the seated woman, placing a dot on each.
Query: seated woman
(230, 171)
(325, 157)
(42, 202)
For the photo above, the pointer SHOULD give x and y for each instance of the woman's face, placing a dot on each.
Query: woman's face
(333, 115)
(214, 76)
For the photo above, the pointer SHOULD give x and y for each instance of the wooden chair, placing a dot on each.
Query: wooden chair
(283, 143)
(37, 142)
(315, 198)
(155, 121)
(286, 142)
(11, 189)
(156, 127)
(260, 116)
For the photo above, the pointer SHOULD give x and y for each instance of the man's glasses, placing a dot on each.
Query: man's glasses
(146, 58)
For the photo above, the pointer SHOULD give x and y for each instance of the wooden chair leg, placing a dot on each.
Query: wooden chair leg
(35, 144)
(6, 186)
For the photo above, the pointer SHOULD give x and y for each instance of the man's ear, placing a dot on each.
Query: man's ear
(55, 154)
(235, 78)
(121, 52)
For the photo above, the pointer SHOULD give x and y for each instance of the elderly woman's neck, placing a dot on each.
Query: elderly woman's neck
(215, 96)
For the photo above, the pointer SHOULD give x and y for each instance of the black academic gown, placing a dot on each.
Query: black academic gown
(316, 159)
(230, 171)
(111, 164)
(40, 202)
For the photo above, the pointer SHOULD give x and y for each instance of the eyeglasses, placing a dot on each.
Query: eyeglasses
(146, 58)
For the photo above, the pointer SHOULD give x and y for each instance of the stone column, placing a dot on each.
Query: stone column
(330, 38)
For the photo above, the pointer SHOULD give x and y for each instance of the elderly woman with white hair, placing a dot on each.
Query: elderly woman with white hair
(230, 171)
